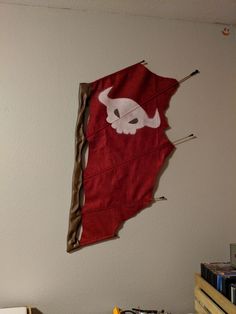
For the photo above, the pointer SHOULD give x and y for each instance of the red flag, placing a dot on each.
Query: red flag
(127, 146)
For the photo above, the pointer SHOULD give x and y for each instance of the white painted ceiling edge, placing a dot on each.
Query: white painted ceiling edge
(210, 11)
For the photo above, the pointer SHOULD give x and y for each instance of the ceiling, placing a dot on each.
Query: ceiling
(210, 11)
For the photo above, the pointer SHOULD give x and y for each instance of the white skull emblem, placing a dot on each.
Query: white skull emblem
(126, 115)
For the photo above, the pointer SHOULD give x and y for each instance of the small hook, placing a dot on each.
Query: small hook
(144, 62)
(194, 72)
(161, 198)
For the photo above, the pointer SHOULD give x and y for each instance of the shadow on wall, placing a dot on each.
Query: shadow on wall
(36, 311)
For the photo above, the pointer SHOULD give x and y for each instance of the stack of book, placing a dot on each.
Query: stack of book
(233, 293)
(222, 276)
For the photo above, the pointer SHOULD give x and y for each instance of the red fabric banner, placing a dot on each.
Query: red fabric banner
(127, 145)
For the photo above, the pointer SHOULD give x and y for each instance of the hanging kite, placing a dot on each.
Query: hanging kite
(125, 134)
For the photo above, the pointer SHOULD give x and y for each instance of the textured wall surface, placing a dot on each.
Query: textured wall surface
(44, 54)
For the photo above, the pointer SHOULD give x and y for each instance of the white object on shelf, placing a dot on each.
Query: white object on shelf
(14, 310)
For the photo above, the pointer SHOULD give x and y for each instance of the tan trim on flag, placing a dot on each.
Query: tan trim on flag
(75, 218)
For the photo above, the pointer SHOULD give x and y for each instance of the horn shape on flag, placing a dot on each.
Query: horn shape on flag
(103, 96)
(153, 122)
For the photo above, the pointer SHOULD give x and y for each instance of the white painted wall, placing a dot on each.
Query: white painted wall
(44, 55)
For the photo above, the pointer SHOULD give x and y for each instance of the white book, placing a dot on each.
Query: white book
(14, 310)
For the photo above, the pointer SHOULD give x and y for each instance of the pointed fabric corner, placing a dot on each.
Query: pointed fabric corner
(125, 134)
